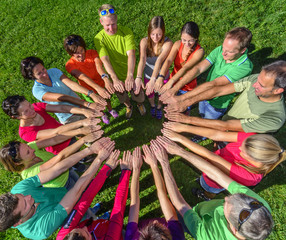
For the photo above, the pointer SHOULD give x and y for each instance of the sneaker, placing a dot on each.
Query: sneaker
(105, 119)
(96, 208)
(159, 113)
(105, 215)
(200, 194)
(141, 109)
(113, 113)
(198, 139)
(129, 111)
(153, 111)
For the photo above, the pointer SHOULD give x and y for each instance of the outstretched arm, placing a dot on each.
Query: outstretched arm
(213, 134)
(134, 191)
(166, 206)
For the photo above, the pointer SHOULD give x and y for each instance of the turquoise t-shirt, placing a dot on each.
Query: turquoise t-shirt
(234, 71)
(206, 221)
(49, 214)
(60, 181)
(116, 47)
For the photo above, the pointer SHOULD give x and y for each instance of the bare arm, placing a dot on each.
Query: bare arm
(134, 190)
(230, 125)
(213, 158)
(129, 81)
(212, 171)
(117, 84)
(213, 134)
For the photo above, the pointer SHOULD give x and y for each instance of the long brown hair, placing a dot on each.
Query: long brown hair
(156, 22)
(265, 149)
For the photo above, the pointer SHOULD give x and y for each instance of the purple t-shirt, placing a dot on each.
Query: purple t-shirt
(177, 232)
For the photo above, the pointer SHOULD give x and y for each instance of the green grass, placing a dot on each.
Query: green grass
(39, 28)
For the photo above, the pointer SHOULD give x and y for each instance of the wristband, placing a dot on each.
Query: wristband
(104, 75)
(89, 92)
(160, 75)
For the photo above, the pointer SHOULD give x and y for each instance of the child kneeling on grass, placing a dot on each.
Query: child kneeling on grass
(86, 67)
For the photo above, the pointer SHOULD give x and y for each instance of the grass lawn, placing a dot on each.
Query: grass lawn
(39, 27)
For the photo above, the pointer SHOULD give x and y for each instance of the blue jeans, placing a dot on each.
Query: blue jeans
(208, 188)
(207, 111)
(73, 177)
(181, 92)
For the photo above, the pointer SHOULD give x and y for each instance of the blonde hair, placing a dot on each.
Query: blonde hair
(156, 22)
(8, 161)
(265, 149)
(106, 6)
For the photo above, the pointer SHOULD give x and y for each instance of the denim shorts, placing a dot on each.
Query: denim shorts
(208, 188)
(207, 111)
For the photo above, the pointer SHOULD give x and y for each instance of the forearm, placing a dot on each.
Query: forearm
(116, 218)
(141, 66)
(176, 197)
(108, 67)
(51, 141)
(166, 66)
(212, 171)
(131, 63)
(89, 82)
(165, 203)
(134, 197)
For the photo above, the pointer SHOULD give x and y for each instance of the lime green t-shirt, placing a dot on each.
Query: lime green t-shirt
(234, 71)
(206, 221)
(60, 181)
(254, 114)
(116, 47)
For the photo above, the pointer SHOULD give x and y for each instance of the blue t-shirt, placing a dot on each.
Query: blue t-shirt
(39, 90)
(49, 214)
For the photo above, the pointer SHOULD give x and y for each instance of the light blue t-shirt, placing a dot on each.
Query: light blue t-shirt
(39, 90)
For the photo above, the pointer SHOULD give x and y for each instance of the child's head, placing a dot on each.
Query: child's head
(75, 46)
(265, 149)
(155, 231)
(156, 33)
(11, 104)
(190, 34)
(27, 66)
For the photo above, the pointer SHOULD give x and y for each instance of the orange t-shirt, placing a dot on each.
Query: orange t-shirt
(177, 66)
(87, 67)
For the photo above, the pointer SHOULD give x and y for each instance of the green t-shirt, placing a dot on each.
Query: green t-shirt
(49, 214)
(60, 181)
(206, 221)
(234, 71)
(116, 47)
(254, 114)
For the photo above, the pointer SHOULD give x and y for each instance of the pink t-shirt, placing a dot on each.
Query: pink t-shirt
(231, 153)
(29, 133)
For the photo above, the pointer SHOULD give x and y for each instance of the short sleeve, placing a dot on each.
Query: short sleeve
(129, 40)
(99, 46)
(242, 84)
(236, 73)
(176, 230)
(132, 232)
(70, 66)
(212, 57)
(38, 91)
(28, 133)
(193, 222)
(22, 186)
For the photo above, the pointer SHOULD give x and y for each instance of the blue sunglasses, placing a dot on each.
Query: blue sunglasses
(106, 11)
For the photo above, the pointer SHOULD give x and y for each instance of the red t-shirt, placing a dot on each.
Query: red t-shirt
(29, 133)
(178, 65)
(87, 67)
(231, 153)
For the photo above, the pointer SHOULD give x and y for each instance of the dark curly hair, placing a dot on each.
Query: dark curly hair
(11, 104)
(27, 66)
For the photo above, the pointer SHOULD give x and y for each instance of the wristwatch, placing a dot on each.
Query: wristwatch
(104, 75)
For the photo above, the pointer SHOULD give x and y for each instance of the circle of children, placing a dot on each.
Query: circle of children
(53, 196)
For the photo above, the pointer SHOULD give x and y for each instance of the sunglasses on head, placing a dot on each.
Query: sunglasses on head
(72, 41)
(12, 150)
(245, 213)
(106, 11)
